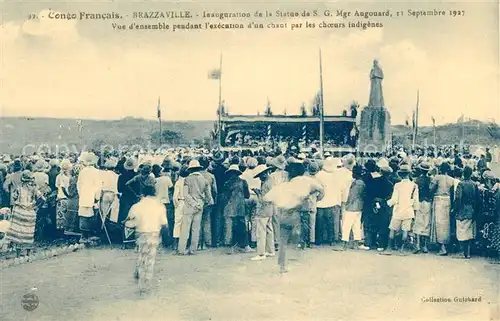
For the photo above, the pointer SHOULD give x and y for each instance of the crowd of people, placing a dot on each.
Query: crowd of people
(189, 199)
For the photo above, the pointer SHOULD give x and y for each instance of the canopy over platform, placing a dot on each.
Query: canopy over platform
(255, 131)
(284, 119)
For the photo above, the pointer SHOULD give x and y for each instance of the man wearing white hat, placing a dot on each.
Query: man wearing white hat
(197, 194)
(405, 203)
(344, 175)
(207, 217)
(279, 176)
(264, 213)
(251, 203)
(109, 203)
(46, 215)
(329, 208)
(89, 191)
(62, 185)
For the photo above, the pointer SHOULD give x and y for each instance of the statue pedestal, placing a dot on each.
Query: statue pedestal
(374, 130)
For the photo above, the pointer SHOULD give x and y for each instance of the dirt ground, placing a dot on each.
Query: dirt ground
(97, 284)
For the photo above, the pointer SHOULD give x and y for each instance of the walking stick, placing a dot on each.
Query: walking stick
(103, 219)
(103, 226)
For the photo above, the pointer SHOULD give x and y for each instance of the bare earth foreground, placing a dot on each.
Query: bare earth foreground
(97, 284)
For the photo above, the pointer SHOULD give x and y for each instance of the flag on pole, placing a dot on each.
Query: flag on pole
(159, 109)
(413, 120)
(215, 74)
(433, 121)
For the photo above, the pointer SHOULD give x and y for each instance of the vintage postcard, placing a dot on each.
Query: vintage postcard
(240, 160)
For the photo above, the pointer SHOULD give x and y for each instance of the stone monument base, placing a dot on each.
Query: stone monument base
(374, 130)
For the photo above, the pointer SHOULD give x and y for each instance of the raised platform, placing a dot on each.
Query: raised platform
(245, 130)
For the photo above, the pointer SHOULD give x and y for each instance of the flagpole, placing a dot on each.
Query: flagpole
(219, 121)
(463, 129)
(415, 123)
(321, 115)
(79, 122)
(81, 133)
(416, 118)
(434, 130)
(159, 119)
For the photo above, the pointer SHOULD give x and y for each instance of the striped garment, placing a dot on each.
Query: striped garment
(147, 244)
(61, 213)
(22, 229)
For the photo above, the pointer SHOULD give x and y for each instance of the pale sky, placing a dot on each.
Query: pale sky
(84, 69)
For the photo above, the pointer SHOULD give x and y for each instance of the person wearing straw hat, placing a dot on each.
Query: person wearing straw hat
(41, 178)
(293, 207)
(22, 229)
(109, 204)
(12, 181)
(251, 204)
(405, 203)
(89, 192)
(308, 219)
(71, 220)
(207, 223)
(164, 193)
(368, 216)
(421, 226)
(46, 219)
(277, 177)
(379, 191)
(353, 207)
(233, 196)
(62, 185)
(125, 194)
(178, 201)
(218, 169)
(329, 208)
(264, 213)
(148, 217)
(197, 194)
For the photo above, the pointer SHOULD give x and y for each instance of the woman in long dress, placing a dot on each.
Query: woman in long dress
(178, 200)
(442, 187)
(62, 185)
(71, 222)
(21, 233)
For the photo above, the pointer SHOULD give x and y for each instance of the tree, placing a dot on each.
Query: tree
(316, 105)
(166, 136)
(303, 111)
(268, 111)
(214, 133)
(98, 144)
(493, 129)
